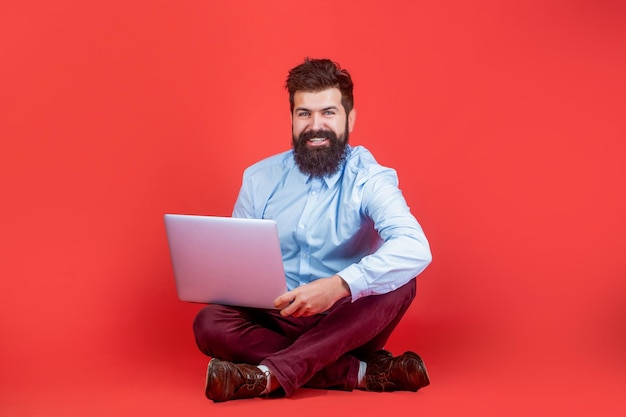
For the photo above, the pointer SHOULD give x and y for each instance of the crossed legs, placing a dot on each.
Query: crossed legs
(321, 351)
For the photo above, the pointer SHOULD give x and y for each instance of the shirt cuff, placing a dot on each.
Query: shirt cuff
(355, 278)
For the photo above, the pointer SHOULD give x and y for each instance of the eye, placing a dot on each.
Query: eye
(329, 113)
(303, 113)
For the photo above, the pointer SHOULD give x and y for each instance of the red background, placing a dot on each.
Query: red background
(504, 120)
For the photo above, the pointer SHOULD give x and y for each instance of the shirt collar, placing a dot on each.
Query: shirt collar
(332, 180)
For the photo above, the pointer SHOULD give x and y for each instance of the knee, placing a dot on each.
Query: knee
(203, 318)
(205, 329)
(399, 299)
(404, 294)
(412, 288)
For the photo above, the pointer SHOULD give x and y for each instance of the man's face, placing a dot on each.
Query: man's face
(320, 129)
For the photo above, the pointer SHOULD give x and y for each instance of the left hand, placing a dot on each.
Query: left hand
(312, 298)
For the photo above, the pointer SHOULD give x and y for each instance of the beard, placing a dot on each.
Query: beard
(323, 161)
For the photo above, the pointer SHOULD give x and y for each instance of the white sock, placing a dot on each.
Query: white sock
(266, 371)
(361, 382)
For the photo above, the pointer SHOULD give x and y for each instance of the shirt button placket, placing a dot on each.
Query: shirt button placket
(301, 233)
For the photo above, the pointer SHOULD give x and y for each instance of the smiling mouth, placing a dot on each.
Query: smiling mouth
(317, 141)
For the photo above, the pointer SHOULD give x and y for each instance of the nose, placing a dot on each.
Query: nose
(316, 121)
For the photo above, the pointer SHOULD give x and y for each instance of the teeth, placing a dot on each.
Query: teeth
(317, 139)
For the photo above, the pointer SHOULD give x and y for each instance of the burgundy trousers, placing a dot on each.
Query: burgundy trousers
(321, 351)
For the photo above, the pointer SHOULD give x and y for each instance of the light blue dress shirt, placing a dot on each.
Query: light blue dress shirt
(355, 223)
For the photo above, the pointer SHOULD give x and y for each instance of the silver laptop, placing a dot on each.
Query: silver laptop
(226, 260)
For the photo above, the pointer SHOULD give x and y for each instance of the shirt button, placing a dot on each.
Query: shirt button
(301, 226)
(313, 192)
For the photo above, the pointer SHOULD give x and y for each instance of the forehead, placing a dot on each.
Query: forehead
(314, 100)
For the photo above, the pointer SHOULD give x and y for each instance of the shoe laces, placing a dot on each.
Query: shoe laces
(254, 382)
(380, 379)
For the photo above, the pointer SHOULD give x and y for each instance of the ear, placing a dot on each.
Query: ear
(351, 119)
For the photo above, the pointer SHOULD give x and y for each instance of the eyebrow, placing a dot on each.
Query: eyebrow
(324, 109)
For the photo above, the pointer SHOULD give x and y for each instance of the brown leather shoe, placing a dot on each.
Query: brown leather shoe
(403, 373)
(228, 381)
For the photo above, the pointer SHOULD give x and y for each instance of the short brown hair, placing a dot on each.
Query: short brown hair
(317, 75)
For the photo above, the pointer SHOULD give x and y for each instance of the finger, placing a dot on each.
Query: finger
(283, 300)
(291, 309)
(286, 312)
(280, 306)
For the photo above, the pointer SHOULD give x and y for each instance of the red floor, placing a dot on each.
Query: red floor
(480, 390)
(471, 376)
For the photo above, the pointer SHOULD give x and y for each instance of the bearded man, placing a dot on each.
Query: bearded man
(351, 249)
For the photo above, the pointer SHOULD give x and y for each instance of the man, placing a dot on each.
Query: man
(351, 250)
